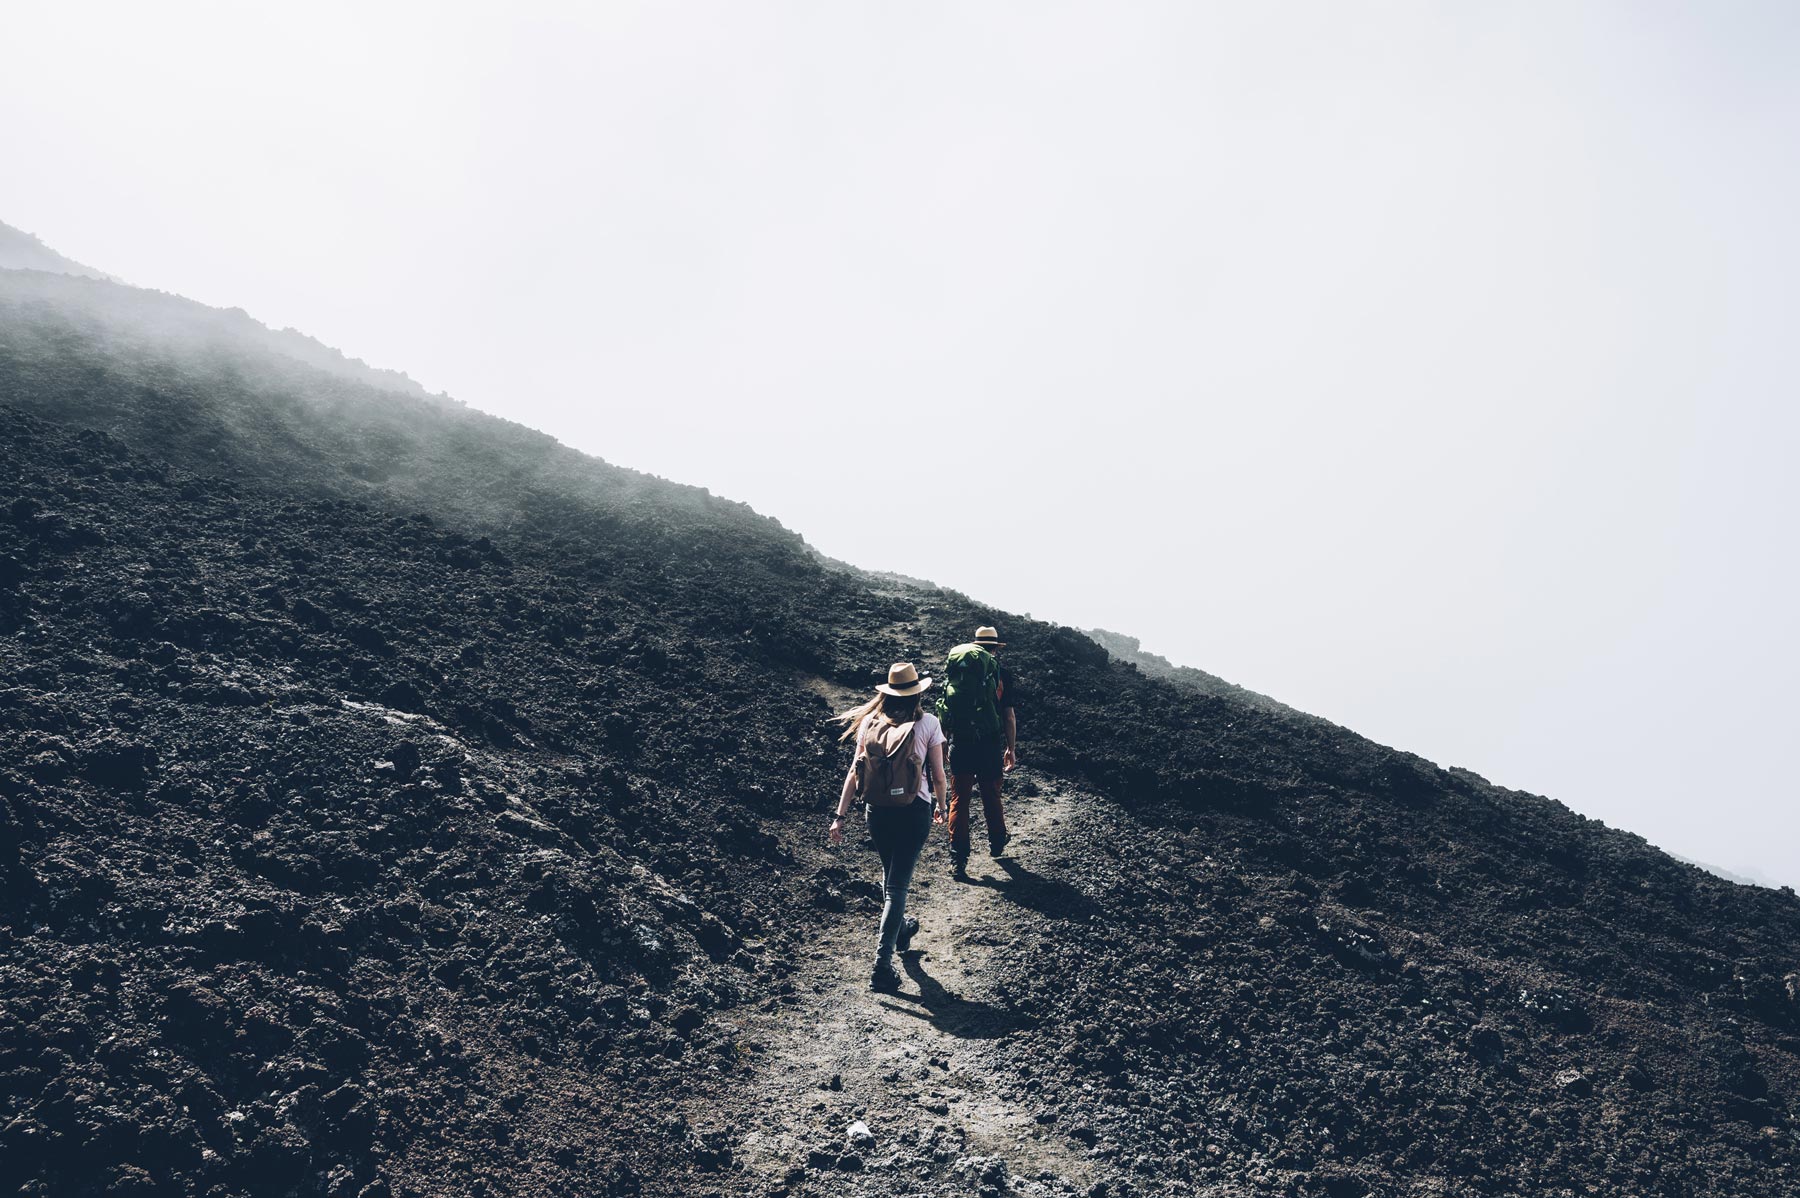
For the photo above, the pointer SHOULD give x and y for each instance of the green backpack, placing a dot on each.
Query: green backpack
(968, 705)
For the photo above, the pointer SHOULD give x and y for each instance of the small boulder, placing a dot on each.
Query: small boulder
(860, 1137)
(449, 774)
(1574, 1083)
(403, 696)
(1485, 1044)
(46, 766)
(1351, 941)
(984, 1170)
(406, 758)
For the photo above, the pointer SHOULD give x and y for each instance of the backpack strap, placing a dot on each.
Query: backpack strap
(869, 724)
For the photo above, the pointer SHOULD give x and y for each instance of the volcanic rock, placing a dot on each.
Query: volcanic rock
(233, 962)
(1575, 1082)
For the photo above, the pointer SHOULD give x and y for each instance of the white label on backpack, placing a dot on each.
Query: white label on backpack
(898, 790)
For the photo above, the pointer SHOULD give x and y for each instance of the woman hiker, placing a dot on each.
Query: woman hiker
(898, 768)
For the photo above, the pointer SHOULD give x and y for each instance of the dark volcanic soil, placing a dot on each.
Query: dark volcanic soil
(349, 850)
(328, 858)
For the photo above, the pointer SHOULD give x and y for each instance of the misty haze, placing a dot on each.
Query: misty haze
(1308, 491)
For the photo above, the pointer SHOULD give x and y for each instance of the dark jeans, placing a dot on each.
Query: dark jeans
(899, 833)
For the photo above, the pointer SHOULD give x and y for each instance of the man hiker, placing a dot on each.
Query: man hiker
(977, 710)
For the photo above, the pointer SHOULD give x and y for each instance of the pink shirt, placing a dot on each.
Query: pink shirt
(926, 732)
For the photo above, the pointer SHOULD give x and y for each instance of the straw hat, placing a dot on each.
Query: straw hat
(989, 636)
(903, 680)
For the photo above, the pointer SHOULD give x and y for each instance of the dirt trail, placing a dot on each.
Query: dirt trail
(931, 1071)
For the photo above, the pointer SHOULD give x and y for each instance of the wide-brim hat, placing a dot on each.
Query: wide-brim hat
(989, 636)
(903, 680)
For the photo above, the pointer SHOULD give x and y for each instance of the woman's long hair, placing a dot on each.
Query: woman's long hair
(898, 708)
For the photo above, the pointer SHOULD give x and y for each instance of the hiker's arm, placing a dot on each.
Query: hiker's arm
(1012, 739)
(940, 785)
(835, 834)
(848, 793)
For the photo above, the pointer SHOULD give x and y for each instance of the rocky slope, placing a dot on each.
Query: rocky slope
(397, 802)
(1129, 650)
(50, 309)
(20, 250)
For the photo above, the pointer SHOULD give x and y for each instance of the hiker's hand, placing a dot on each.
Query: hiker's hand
(835, 833)
(1008, 761)
(937, 812)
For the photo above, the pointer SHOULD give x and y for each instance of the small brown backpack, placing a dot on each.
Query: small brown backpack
(887, 773)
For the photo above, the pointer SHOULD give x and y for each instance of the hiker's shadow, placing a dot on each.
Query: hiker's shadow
(964, 1018)
(1046, 896)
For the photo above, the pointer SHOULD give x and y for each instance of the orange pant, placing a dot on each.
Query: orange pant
(962, 787)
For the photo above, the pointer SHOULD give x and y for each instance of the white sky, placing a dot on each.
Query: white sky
(1427, 366)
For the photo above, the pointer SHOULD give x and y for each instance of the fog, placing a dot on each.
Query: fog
(1427, 367)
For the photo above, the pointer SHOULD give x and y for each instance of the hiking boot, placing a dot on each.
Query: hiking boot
(908, 929)
(959, 865)
(997, 847)
(885, 979)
